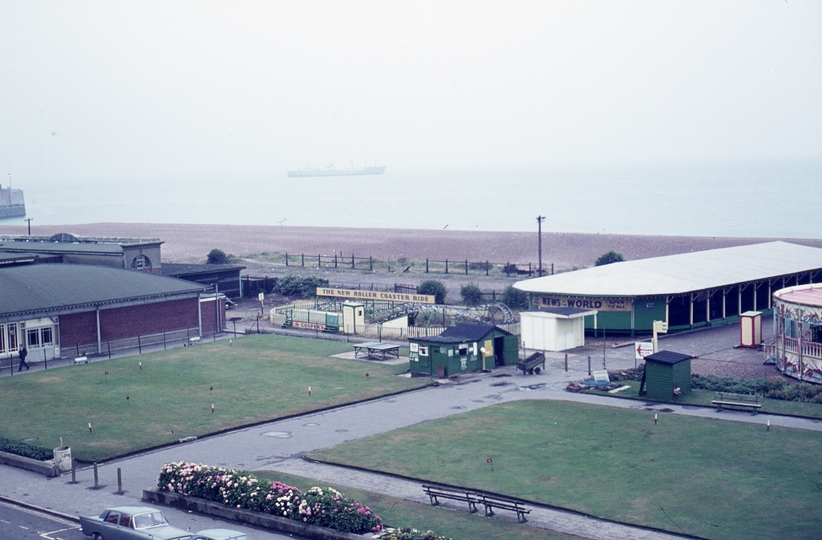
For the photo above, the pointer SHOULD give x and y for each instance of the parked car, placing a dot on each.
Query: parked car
(131, 523)
(230, 304)
(219, 534)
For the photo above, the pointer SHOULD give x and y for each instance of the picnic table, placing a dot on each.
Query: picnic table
(377, 349)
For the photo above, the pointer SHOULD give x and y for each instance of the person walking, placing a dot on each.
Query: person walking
(23, 354)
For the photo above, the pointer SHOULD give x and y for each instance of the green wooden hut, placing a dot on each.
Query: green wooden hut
(462, 348)
(667, 375)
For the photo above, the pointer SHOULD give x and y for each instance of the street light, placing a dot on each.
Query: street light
(540, 219)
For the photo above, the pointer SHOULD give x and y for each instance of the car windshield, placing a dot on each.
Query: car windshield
(151, 519)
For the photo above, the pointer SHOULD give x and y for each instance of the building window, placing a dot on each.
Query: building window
(11, 334)
(46, 336)
(141, 262)
(2, 338)
(33, 337)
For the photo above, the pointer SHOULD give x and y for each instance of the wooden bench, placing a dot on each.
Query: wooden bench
(489, 502)
(729, 399)
(501, 503)
(435, 493)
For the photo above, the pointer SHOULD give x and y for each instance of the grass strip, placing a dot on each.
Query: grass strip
(703, 477)
(704, 397)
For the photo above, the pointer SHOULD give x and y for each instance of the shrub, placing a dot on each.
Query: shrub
(434, 288)
(408, 533)
(217, 256)
(26, 450)
(515, 298)
(608, 258)
(471, 294)
(237, 489)
(304, 287)
(729, 384)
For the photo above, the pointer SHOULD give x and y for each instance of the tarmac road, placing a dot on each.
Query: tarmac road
(280, 445)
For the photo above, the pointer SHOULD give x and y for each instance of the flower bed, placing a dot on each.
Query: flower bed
(323, 507)
(26, 450)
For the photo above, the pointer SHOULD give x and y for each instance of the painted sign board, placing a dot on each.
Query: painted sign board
(308, 325)
(599, 304)
(643, 349)
(355, 294)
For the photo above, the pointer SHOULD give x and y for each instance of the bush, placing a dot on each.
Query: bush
(217, 256)
(408, 533)
(471, 294)
(515, 298)
(729, 384)
(26, 450)
(304, 287)
(434, 288)
(608, 258)
(237, 489)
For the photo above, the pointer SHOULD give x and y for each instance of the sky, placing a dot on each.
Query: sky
(153, 89)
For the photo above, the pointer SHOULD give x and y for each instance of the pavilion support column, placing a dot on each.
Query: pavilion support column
(691, 311)
(708, 307)
(99, 335)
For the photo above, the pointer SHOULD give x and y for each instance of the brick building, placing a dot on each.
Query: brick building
(69, 309)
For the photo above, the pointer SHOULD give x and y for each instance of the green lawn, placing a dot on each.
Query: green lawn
(704, 477)
(423, 517)
(256, 378)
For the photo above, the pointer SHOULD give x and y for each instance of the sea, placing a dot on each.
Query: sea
(752, 199)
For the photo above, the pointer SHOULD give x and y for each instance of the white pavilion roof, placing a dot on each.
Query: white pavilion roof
(676, 274)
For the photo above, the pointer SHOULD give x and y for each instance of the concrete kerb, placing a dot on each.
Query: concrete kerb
(44, 510)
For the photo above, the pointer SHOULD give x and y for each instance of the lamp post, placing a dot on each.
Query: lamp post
(540, 219)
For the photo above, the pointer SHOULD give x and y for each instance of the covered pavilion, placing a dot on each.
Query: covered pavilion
(686, 291)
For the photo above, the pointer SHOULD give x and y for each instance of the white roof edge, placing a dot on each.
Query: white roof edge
(682, 273)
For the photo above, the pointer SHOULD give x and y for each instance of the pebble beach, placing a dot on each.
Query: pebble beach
(190, 243)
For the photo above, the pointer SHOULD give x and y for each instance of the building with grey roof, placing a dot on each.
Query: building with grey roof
(687, 291)
(129, 253)
(72, 309)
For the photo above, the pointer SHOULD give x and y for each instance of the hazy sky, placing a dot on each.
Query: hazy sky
(152, 89)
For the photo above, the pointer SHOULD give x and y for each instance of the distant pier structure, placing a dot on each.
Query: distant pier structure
(12, 203)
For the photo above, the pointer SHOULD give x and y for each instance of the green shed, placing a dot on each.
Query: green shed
(461, 348)
(667, 375)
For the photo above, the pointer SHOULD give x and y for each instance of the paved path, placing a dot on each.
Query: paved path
(280, 445)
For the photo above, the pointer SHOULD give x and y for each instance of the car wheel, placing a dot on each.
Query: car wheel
(98, 536)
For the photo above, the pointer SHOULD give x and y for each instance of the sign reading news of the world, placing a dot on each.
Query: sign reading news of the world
(354, 294)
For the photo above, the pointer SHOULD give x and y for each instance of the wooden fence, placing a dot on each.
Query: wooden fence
(432, 266)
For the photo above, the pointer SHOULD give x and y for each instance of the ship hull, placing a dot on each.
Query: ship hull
(12, 211)
(12, 203)
(303, 173)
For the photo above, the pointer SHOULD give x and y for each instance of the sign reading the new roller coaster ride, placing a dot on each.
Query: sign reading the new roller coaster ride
(384, 296)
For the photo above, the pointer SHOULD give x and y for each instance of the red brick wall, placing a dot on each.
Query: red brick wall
(126, 322)
(210, 318)
(78, 328)
(132, 321)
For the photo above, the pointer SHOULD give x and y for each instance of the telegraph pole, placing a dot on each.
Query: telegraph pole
(28, 220)
(540, 219)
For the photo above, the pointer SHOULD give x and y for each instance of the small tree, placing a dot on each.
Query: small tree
(434, 288)
(217, 256)
(608, 258)
(471, 294)
(304, 287)
(515, 298)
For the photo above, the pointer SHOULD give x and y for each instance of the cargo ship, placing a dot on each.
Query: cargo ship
(12, 203)
(335, 170)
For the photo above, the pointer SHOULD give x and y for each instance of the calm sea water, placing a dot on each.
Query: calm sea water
(767, 200)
